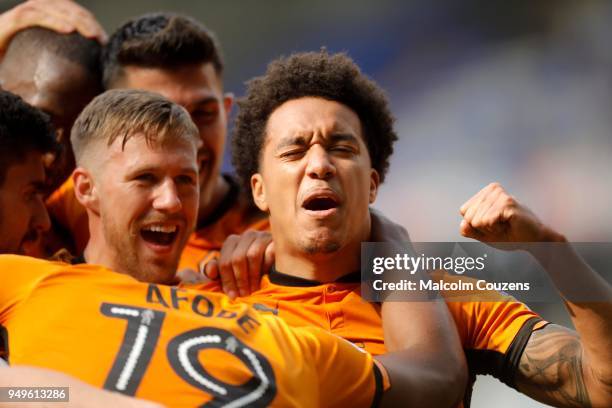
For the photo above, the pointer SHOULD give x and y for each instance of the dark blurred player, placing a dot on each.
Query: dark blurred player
(58, 73)
(26, 137)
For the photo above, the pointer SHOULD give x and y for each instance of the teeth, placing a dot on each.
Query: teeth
(167, 229)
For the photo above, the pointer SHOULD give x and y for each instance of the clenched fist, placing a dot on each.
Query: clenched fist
(493, 215)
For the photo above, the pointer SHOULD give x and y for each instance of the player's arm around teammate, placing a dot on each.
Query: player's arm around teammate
(80, 393)
(416, 362)
(558, 366)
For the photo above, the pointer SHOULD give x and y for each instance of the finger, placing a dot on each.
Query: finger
(189, 275)
(269, 257)
(211, 269)
(33, 16)
(474, 207)
(256, 258)
(471, 201)
(225, 266)
(229, 285)
(467, 231)
(476, 198)
(495, 216)
(241, 264)
(74, 15)
(484, 219)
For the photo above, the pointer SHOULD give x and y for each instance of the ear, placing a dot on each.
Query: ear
(259, 192)
(228, 102)
(374, 183)
(85, 191)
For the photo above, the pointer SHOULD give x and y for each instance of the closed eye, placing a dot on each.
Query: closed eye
(343, 149)
(148, 178)
(293, 154)
(186, 180)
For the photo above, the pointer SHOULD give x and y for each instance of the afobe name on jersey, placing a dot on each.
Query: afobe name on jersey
(197, 303)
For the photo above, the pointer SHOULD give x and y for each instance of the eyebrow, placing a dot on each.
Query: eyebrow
(205, 101)
(301, 141)
(343, 137)
(291, 141)
(142, 170)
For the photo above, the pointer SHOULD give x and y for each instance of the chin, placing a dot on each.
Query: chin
(321, 246)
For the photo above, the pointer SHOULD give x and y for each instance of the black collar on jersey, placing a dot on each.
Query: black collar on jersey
(225, 205)
(282, 279)
(77, 260)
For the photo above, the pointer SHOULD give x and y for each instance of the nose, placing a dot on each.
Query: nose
(40, 217)
(166, 197)
(319, 165)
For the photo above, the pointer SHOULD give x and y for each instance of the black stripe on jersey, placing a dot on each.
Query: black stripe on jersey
(4, 344)
(499, 365)
(282, 279)
(378, 392)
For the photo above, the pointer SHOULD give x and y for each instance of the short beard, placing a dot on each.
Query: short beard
(313, 248)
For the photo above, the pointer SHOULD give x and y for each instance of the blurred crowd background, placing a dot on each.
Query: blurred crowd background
(517, 92)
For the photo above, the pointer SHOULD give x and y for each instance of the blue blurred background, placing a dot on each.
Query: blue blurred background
(517, 92)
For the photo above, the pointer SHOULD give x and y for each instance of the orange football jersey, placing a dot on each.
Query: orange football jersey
(493, 333)
(177, 346)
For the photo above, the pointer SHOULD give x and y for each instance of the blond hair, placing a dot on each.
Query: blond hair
(123, 113)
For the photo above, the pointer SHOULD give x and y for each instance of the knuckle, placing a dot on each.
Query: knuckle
(509, 201)
(237, 261)
(225, 263)
(227, 280)
(254, 251)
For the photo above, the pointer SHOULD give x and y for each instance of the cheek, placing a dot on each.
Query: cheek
(190, 203)
(16, 222)
(358, 189)
(213, 137)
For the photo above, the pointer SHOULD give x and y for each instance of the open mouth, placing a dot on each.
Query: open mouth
(320, 204)
(161, 235)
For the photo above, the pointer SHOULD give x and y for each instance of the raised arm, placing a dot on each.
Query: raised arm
(558, 366)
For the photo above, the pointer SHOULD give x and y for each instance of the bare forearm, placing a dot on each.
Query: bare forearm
(425, 355)
(80, 393)
(552, 370)
(579, 284)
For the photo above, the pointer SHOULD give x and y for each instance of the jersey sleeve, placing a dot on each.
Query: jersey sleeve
(496, 335)
(348, 376)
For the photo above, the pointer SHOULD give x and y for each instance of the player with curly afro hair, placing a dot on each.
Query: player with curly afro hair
(329, 76)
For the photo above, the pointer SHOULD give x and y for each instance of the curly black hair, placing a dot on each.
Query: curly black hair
(334, 77)
(159, 40)
(23, 129)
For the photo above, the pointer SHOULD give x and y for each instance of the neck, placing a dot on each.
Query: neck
(207, 207)
(319, 267)
(95, 252)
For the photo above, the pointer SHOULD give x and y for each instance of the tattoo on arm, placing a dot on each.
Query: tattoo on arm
(551, 368)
